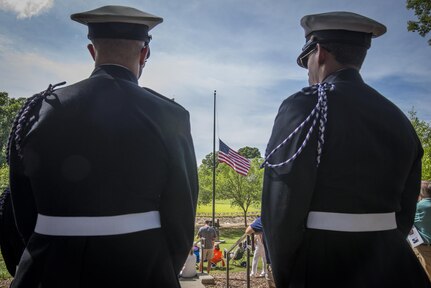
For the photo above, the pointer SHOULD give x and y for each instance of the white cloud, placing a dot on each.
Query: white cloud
(245, 110)
(26, 8)
(178, 75)
(190, 80)
(5, 43)
(29, 73)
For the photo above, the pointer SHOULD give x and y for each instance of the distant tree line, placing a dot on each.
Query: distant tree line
(423, 129)
(9, 107)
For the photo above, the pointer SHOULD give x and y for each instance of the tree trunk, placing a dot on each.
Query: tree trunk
(245, 219)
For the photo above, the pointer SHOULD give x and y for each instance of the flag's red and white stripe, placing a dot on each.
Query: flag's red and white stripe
(238, 163)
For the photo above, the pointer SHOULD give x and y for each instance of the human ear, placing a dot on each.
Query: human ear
(92, 51)
(144, 55)
(321, 54)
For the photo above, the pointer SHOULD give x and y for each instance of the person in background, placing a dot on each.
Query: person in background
(217, 256)
(259, 252)
(342, 170)
(103, 169)
(207, 234)
(423, 225)
(196, 251)
(189, 268)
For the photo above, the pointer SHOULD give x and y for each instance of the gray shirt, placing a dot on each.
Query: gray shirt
(209, 234)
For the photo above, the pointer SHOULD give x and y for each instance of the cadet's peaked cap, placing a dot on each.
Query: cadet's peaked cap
(338, 27)
(347, 21)
(119, 22)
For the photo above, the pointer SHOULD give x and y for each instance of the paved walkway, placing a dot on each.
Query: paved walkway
(197, 281)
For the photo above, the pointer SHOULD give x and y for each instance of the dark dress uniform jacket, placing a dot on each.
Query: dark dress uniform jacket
(105, 147)
(371, 163)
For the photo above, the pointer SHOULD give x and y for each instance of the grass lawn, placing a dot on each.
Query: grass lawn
(4, 274)
(223, 207)
(230, 237)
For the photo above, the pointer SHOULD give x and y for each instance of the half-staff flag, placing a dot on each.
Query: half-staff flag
(237, 162)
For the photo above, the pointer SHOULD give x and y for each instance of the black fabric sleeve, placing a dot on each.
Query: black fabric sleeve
(288, 190)
(23, 202)
(409, 197)
(179, 200)
(11, 243)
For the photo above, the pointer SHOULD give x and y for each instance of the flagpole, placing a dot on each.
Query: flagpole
(214, 158)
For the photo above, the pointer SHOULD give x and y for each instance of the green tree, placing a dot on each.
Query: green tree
(423, 129)
(422, 10)
(243, 191)
(205, 175)
(249, 152)
(9, 107)
(208, 160)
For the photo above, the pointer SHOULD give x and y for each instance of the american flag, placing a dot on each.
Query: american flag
(238, 163)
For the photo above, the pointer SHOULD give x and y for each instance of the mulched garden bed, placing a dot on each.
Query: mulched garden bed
(237, 280)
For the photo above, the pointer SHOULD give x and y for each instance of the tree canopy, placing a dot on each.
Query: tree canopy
(242, 191)
(249, 152)
(205, 184)
(423, 129)
(9, 107)
(208, 160)
(422, 9)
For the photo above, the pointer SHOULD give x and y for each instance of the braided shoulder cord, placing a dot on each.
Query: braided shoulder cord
(21, 121)
(319, 112)
(3, 198)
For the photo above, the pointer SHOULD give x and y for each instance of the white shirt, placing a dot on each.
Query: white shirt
(189, 268)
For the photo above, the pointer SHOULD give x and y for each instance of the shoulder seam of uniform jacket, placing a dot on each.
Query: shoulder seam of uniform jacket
(163, 97)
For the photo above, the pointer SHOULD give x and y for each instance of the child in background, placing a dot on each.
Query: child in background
(196, 251)
(218, 256)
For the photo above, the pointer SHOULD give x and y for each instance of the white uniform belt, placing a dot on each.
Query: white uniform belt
(346, 222)
(98, 225)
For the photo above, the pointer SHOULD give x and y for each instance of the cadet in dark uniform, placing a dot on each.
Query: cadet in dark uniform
(343, 171)
(103, 172)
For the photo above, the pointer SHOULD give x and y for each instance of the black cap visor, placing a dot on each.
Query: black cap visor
(332, 36)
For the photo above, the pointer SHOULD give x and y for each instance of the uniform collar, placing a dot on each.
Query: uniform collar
(115, 71)
(346, 74)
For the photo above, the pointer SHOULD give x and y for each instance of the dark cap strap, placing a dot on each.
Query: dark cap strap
(116, 30)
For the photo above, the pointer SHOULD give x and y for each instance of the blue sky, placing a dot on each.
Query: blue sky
(244, 49)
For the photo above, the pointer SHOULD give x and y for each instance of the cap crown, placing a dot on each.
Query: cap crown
(341, 20)
(337, 27)
(119, 14)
